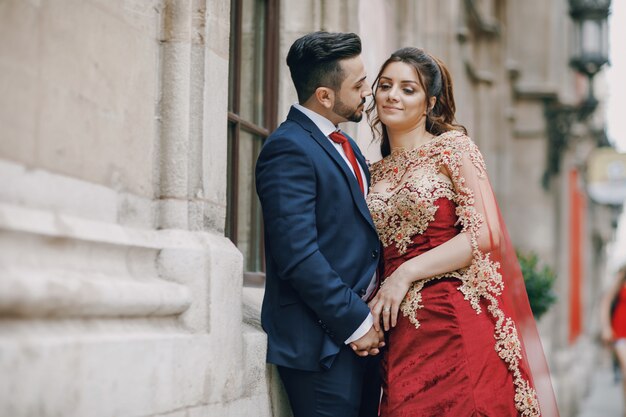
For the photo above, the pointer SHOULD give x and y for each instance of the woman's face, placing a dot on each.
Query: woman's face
(400, 99)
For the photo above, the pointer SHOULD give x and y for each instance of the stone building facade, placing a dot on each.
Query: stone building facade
(131, 266)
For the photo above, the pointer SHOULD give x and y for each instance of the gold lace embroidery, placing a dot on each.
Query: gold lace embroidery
(409, 209)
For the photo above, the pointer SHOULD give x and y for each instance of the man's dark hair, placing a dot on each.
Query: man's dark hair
(314, 61)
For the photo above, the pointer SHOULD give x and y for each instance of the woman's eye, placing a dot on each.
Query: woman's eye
(408, 90)
(384, 87)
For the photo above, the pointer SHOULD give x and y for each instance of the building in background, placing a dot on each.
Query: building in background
(132, 254)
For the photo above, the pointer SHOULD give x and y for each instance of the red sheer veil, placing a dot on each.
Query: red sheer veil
(516, 305)
(495, 269)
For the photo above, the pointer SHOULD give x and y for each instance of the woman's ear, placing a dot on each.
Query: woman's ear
(431, 103)
(325, 96)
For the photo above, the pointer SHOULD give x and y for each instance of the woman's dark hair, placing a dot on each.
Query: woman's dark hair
(313, 61)
(435, 80)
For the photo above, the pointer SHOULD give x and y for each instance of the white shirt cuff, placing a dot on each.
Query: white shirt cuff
(362, 330)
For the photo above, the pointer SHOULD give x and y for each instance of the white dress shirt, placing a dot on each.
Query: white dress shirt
(327, 127)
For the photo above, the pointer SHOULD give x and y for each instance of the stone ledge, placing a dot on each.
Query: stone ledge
(69, 266)
(118, 344)
(252, 298)
(60, 265)
(41, 189)
(261, 379)
(55, 293)
(102, 375)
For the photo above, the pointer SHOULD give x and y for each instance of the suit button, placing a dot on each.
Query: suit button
(374, 253)
(362, 292)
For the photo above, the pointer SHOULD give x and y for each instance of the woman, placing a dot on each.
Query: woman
(613, 321)
(456, 348)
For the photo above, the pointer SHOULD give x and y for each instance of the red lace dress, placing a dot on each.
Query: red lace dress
(454, 351)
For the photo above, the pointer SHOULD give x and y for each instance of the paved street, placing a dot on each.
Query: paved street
(604, 399)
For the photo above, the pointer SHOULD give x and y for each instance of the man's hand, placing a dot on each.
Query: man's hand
(369, 344)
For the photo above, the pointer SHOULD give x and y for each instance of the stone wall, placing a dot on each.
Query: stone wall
(119, 294)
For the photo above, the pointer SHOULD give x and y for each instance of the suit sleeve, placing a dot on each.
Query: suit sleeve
(286, 185)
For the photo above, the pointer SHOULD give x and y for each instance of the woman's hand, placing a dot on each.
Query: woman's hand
(386, 303)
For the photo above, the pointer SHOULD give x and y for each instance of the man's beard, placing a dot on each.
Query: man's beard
(350, 114)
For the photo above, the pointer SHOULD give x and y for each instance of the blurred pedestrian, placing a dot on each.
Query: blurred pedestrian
(613, 320)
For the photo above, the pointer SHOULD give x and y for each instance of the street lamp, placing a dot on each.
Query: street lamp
(590, 43)
(590, 46)
(590, 51)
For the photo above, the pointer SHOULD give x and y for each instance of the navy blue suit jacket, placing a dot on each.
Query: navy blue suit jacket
(321, 246)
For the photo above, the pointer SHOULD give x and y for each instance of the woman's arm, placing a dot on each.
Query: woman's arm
(454, 254)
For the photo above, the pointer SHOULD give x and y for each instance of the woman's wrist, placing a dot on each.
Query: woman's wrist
(410, 272)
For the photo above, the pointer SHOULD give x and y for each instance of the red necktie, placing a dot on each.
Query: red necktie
(339, 138)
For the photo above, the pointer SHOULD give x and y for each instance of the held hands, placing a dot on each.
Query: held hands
(369, 344)
(386, 304)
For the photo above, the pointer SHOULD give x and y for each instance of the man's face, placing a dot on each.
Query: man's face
(350, 98)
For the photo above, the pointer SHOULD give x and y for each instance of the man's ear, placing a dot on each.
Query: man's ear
(325, 96)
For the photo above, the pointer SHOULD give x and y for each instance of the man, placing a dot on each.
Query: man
(321, 246)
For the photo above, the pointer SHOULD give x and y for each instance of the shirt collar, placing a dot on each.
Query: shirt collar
(323, 124)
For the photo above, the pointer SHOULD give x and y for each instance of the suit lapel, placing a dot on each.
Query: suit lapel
(318, 136)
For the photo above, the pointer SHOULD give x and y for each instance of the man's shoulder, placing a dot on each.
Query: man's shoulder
(288, 133)
(288, 139)
(286, 129)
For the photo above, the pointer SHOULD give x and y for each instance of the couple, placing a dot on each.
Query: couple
(404, 279)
